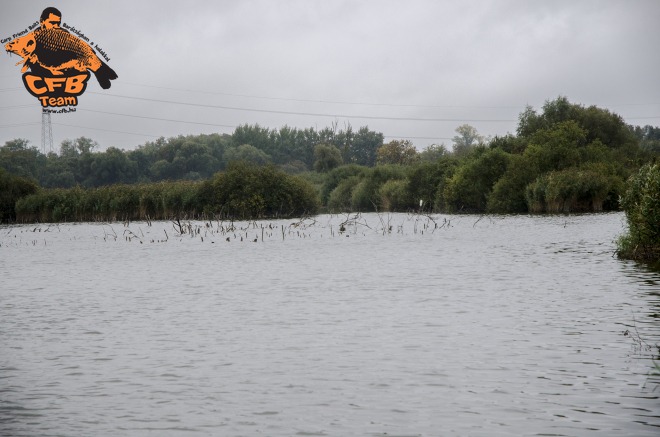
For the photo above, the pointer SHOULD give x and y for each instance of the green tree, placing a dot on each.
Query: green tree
(363, 147)
(21, 159)
(648, 137)
(508, 195)
(466, 140)
(13, 188)
(401, 152)
(327, 157)
(509, 143)
(336, 176)
(111, 167)
(433, 152)
(247, 153)
(426, 178)
(248, 191)
(259, 137)
(470, 186)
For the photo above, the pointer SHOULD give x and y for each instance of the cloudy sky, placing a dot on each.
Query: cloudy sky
(413, 69)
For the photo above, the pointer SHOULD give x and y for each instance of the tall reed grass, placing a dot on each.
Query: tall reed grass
(243, 192)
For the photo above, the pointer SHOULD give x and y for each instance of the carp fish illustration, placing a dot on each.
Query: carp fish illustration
(58, 51)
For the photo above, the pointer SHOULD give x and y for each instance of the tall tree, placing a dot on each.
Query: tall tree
(327, 157)
(466, 140)
(397, 152)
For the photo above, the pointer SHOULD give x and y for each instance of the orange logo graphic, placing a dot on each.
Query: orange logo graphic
(59, 62)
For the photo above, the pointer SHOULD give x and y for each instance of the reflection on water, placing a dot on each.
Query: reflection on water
(397, 325)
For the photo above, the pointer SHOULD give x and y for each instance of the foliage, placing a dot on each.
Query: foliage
(469, 187)
(244, 191)
(597, 123)
(158, 201)
(247, 153)
(508, 194)
(394, 196)
(641, 203)
(466, 140)
(333, 180)
(326, 158)
(508, 143)
(547, 166)
(360, 189)
(366, 194)
(426, 179)
(648, 137)
(433, 152)
(19, 159)
(340, 199)
(248, 191)
(570, 190)
(401, 152)
(13, 188)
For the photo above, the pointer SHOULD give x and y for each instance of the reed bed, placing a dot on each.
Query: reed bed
(243, 192)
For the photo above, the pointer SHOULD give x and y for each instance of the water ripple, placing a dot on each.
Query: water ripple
(491, 326)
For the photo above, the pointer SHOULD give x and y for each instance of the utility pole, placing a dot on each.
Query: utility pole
(46, 133)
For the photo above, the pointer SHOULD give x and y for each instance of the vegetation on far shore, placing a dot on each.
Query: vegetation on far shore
(565, 158)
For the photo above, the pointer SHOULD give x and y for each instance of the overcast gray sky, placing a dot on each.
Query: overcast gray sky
(413, 69)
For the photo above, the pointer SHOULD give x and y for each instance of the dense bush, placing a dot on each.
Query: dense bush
(426, 179)
(13, 188)
(249, 191)
(336, 176)
(366, 195)
(340, 199)
(470, 186)
(395, 196)
(570, 190)
(641, 203)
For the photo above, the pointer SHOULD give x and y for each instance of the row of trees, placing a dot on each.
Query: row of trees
(566, 157)
(192, 157)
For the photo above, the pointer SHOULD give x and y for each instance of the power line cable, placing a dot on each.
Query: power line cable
(310, 114)
(338, 102)
(404, 105)
(107, 130)
(158, 119)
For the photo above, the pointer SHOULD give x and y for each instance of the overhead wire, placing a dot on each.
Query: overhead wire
(337, 102)
(106, 130)
(156, 118)
(312, 114)
(405, 105)
(298, 113)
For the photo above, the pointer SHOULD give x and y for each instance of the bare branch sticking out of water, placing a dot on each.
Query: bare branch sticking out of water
(106, 234)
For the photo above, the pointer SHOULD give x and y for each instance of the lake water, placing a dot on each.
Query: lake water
(397, 325)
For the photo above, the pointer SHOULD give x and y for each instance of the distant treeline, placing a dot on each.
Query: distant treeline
(195, 157)
(565, 158)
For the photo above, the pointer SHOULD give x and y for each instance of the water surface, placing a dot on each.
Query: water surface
(399, 325)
